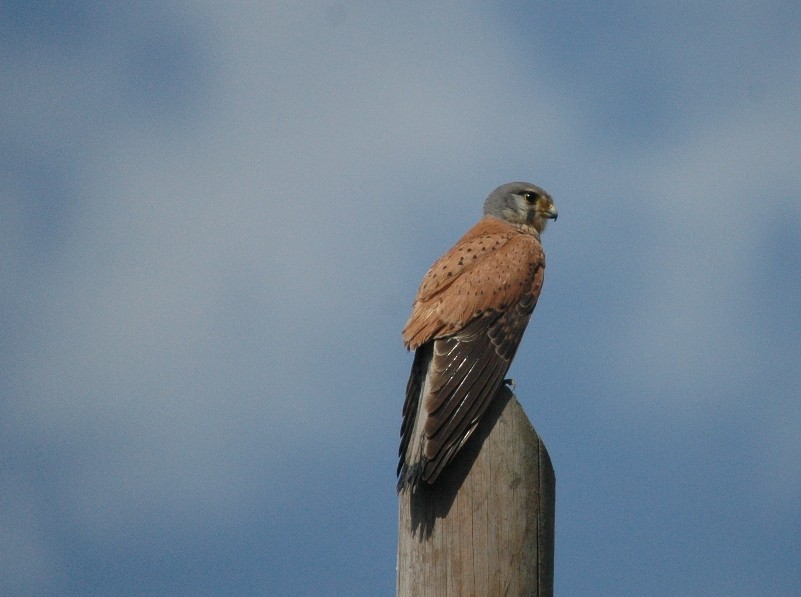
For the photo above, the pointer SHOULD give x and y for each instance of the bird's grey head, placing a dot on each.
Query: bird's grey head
(523, 204)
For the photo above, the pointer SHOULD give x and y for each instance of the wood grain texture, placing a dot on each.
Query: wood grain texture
(486, 527)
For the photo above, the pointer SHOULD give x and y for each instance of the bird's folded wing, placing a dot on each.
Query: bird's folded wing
(465, 373)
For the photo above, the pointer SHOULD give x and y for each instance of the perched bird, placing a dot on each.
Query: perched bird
(466, 324)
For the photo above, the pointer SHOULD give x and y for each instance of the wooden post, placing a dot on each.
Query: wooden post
(486, 527)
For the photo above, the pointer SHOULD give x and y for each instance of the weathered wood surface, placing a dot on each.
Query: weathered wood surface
(486, 527)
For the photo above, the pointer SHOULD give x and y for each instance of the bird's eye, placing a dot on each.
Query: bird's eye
(530, 197)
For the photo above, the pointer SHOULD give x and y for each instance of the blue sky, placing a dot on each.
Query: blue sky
(213, 220)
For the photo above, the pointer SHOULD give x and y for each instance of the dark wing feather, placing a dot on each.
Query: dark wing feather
(421, 357)
(466, 371)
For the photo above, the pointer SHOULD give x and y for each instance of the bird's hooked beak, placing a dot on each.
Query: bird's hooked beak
(551, 213)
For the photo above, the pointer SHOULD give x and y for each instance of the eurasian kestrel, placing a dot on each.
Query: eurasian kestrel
(466, 324)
